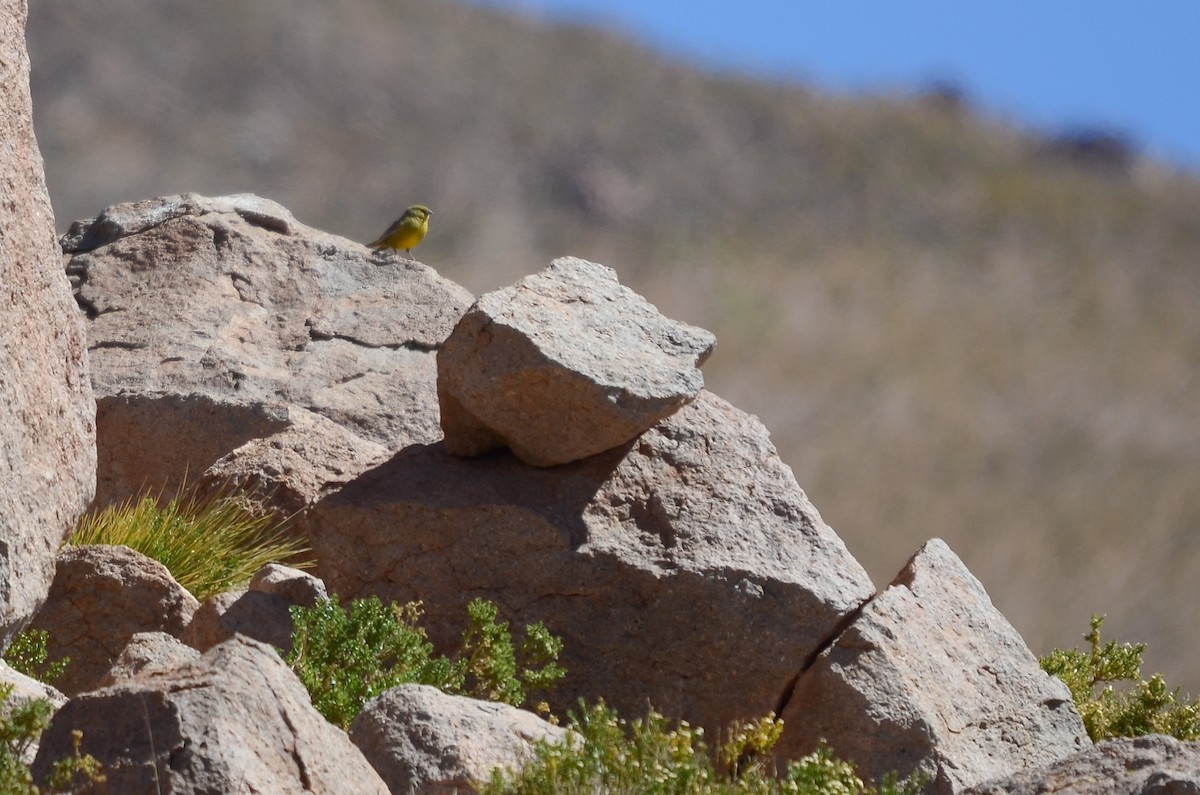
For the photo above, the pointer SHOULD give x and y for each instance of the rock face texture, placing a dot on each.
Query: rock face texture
(236, 720)
(209, 317)
(295, 466)
(261, 611)
(1151, 765)
(425, 742)
(47, 436)
(100, 598)
(931, 678)
(687, 567)
(562, 365)
(146, 652)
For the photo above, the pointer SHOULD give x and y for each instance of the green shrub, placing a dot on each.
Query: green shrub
(211, 543)
(606, 754)
(346, 656)
(21, 725)
(27, 654)
(1142, 707)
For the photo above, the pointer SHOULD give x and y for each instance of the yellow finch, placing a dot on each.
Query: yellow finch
(407, 232)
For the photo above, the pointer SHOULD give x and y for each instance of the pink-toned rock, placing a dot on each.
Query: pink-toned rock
(260, 611)
(100, 598)
(297, 586)
(564, 364)
(1150, 765)
(687, 568)
(210, 318)
(47, 437)
(234, 721)
(147, 652)
(290, 469)
(424, 742)
(930, 678)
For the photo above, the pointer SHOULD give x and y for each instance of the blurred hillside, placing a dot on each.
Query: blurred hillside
(952, 327)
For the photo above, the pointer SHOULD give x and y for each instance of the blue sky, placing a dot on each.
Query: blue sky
(1120, 65)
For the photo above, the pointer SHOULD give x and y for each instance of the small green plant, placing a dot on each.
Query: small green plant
(21, 724)
(77, 773)
(649, 756)
(27, 654)
(489, 661)
(211, 542)
(346, 656)
(1140, 707)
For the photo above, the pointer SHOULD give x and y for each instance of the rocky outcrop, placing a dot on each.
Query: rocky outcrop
(101, 597)
(424, 742)
(236, 720)
(1150, 765)
(687, 567)
(47, 438)
(930, 678)
(209, 318)
(668, 546)
(562, 365)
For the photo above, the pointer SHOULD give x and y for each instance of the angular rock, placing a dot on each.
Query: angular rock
(425, 742)
(688, 567)
(208, 318)
(47, 439)
(296, 586)
(146, 652)
(292, 468)
(931, 678)
(100, 598)
(236, 720)
(562, 365)
(261, 611)
(1150, 765)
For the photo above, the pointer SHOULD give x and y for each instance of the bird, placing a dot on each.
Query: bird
(408, 230)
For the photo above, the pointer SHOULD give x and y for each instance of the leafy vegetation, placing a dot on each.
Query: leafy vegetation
(1142, 707)
(21, 724)
(211, 543)
(28, 654)
(346, 656)
(650, 757)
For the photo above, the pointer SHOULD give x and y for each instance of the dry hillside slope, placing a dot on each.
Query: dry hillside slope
(951, 329)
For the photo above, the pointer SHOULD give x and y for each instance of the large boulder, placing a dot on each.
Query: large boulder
(100, 598)
(1150, 765)
(564, 364)
(425, 742)
(235, 720)
(687, 568)
(930, 678)
(210, 318)
(47, 439)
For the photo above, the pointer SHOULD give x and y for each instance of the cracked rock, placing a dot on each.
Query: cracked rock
(686, 567)
(931, 678)
(210, 318)
(100, 598)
